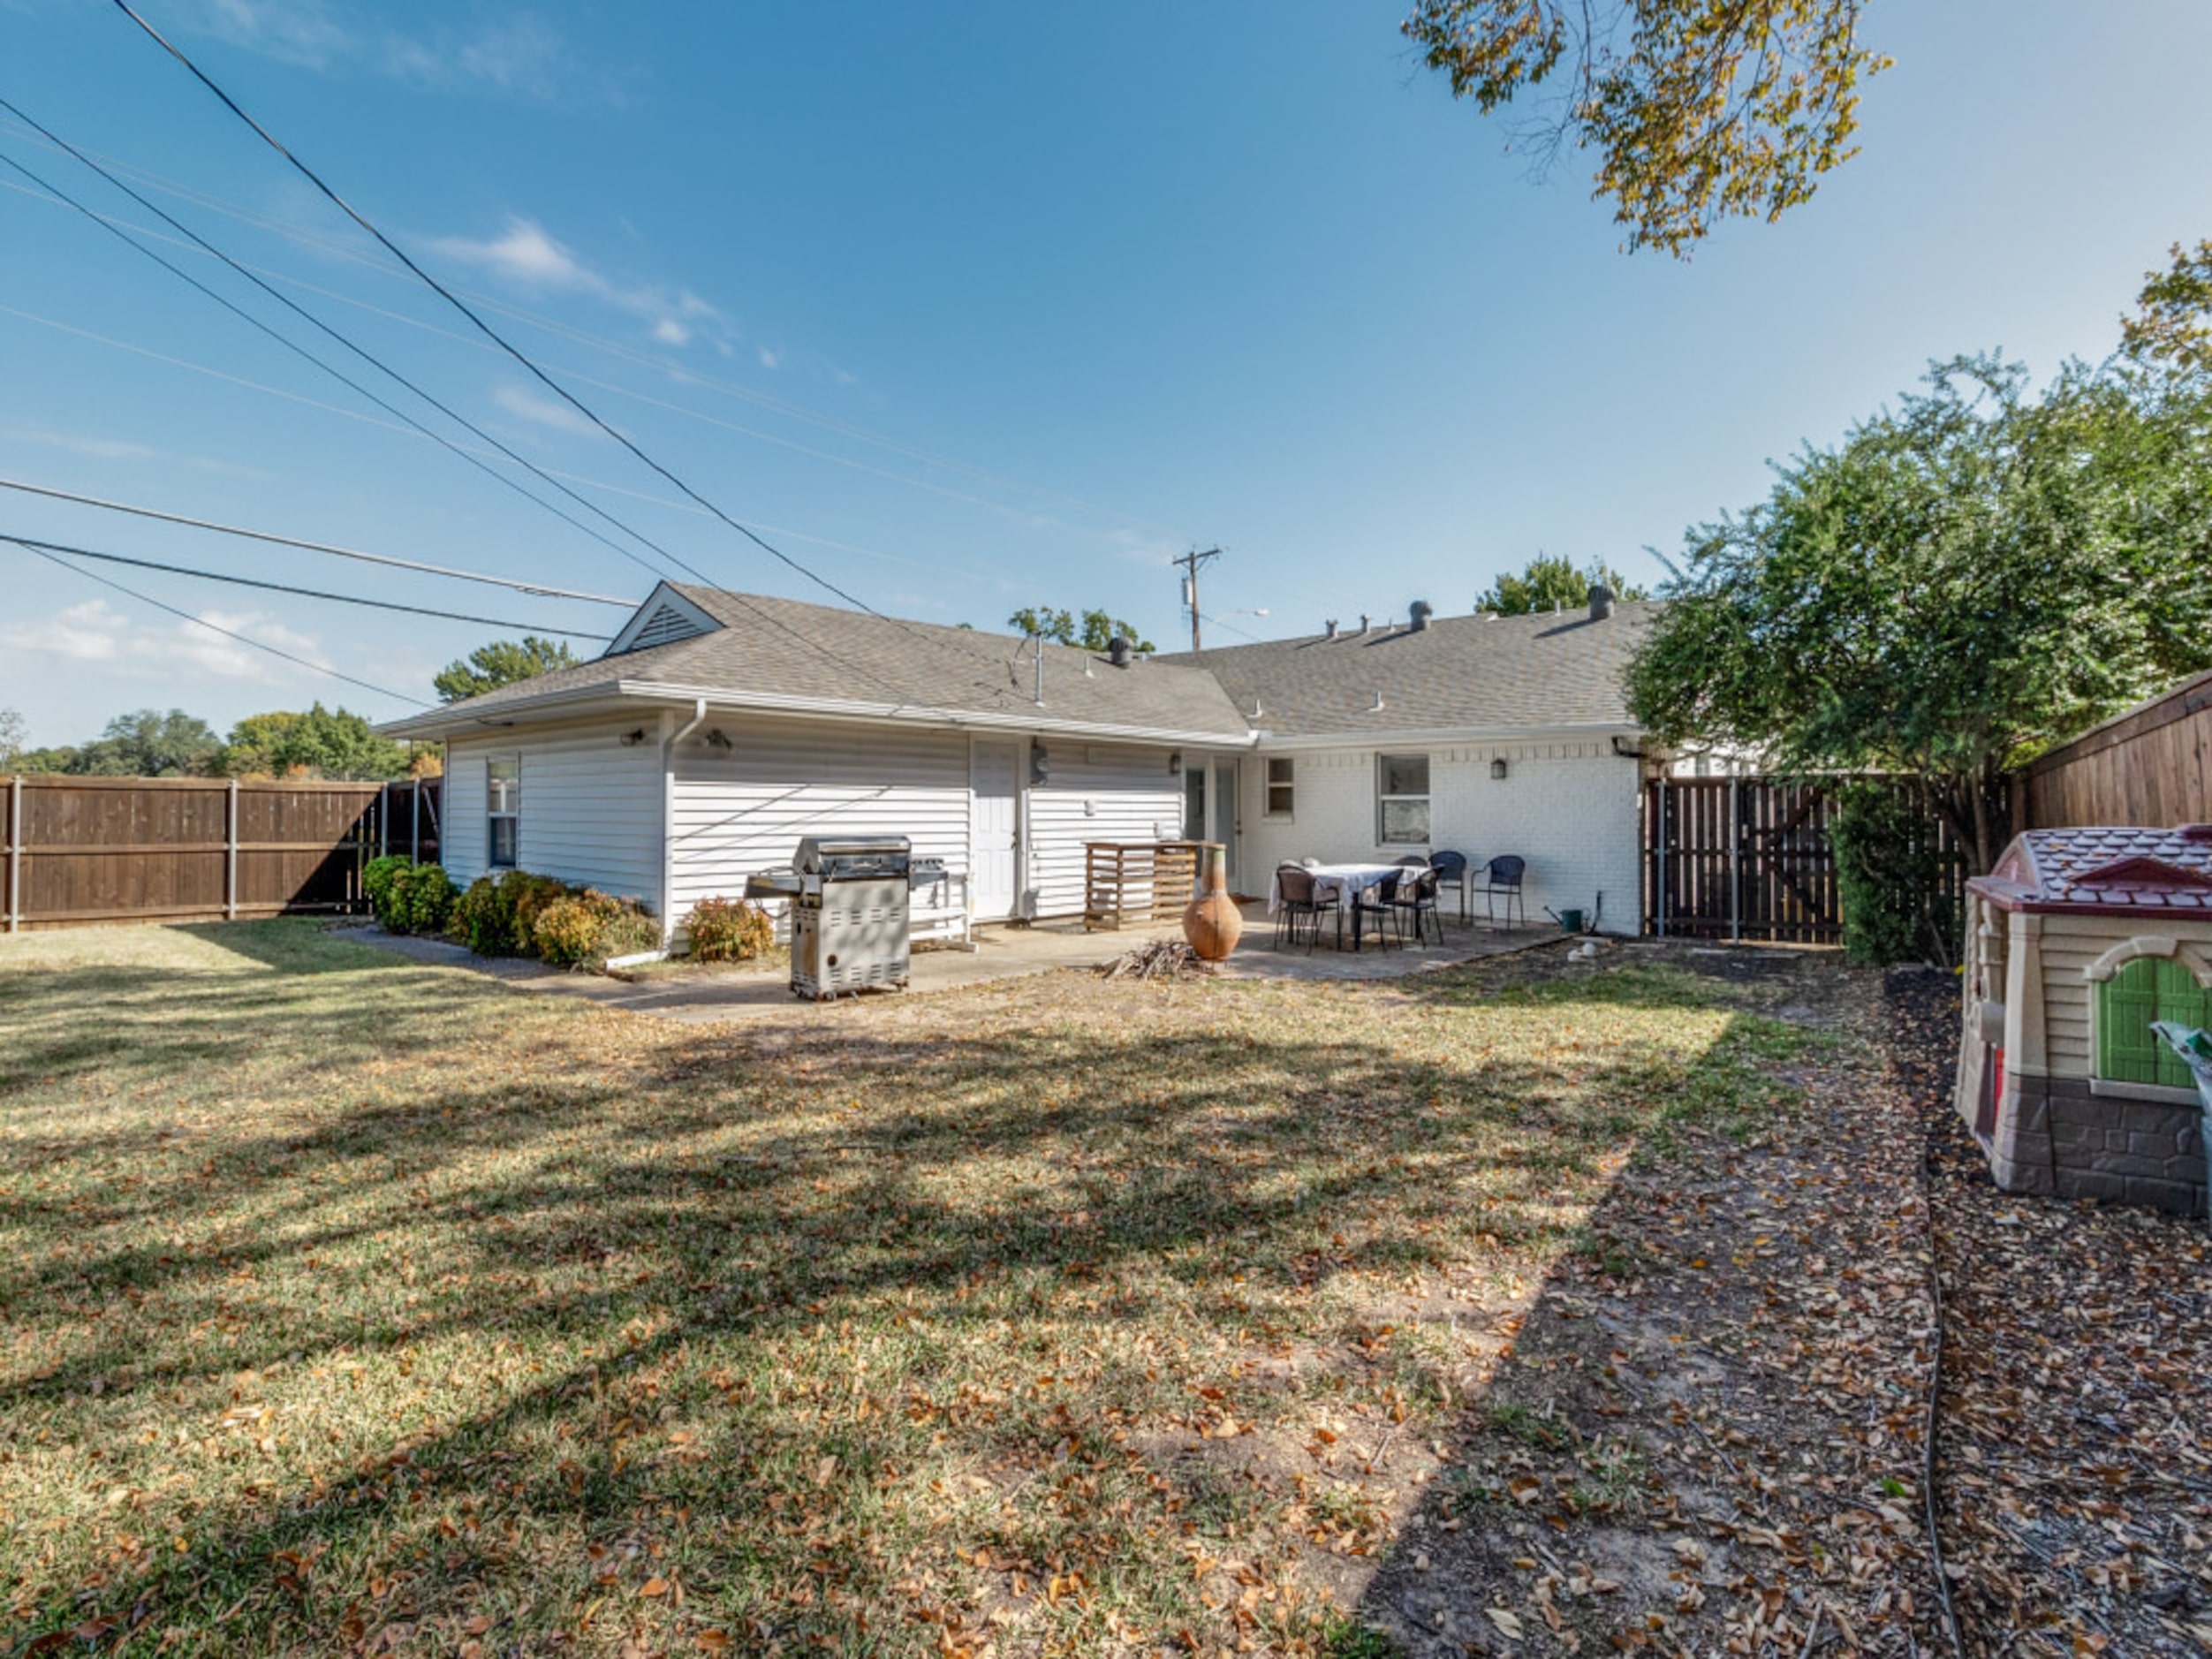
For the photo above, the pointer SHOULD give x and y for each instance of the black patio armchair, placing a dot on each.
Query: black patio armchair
(1299, 897)
(1379, 903)
(1417, 898)
(1502, 884)
(1450, 870)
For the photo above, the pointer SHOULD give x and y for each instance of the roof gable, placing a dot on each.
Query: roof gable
(664, 618)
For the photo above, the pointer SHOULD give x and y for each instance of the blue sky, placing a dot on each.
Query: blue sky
(973, 307)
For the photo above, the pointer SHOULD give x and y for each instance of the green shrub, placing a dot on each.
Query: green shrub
(421, 900)
(376, 879)
(586, 929)
(483, 918)
(1890, 875)
(729, 930)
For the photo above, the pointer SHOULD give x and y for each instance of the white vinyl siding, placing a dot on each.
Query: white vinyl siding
(744, 808)
(591, 806)
(1095, 793)
(1570, 809)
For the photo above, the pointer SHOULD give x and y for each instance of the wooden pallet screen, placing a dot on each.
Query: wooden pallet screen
(1136, 883)
(79, 851)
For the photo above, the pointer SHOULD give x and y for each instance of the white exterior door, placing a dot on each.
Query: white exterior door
(994, 826)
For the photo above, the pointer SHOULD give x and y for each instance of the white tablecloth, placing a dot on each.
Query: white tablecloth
(1344, 880)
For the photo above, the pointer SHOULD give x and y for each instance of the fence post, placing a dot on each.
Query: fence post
(1659, 857)
(384, 818)
(231, 855)
(15, 853)
(1735, 860)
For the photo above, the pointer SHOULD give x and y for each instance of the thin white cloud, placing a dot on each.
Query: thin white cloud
(105, 448)
(770, 360)
(99, 633)
(520, 53)
(525, 256)
(525, 404)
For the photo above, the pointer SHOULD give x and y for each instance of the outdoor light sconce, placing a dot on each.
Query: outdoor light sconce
(718, 740)
(1039, 764)
(631, 740)
(1497, 767)
(1174, 762)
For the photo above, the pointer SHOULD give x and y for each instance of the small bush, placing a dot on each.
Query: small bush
(584, 929)
(729, 930)
(1890, 875)
(421, 900)
(376, 879)
(483, 919)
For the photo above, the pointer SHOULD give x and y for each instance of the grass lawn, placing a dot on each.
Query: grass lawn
(348, 1303)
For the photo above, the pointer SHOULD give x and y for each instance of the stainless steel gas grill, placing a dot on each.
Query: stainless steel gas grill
(849, 899)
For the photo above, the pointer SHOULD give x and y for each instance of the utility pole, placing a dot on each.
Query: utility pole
(1191, 563)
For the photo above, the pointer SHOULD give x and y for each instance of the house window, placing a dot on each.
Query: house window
(1402, 799)
(502, 810)
(1282, 786)
(2147, 989)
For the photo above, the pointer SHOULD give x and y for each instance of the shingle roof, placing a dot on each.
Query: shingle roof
(1459, 673)
(2105, 870)
(785, 648)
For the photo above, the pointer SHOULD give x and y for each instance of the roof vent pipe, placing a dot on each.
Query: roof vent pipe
(1331, 625)
(1117, 650)
(1363, 621)
(1420, 613)
(1600, 601)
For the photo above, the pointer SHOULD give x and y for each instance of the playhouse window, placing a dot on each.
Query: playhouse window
(2147, 989)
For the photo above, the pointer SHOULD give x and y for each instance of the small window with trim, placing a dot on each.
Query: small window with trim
(502, 810)
(1282, 786)
(1402, 799)
(2146, 990)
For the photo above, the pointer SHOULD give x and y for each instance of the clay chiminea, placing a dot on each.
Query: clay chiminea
(1212, 922)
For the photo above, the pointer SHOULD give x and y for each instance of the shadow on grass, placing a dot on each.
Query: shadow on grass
(741, 1295)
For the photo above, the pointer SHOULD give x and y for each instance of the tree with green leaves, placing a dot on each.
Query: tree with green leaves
(1552, 583)
(1697, 110)
(1964, 581)
(14, 738)
(319, 743)
(502, 662)
(146, 743)
(1094, 631)
(2172, 324)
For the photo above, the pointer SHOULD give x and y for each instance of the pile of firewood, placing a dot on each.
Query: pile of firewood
(1156, 959)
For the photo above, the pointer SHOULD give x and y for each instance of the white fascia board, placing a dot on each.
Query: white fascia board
(1444, 737)
(440, 724)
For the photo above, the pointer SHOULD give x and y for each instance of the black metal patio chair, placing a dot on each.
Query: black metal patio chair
(1501, 882)
(1417, 898)
(1450, 870)
(1299, 897)
(1379, 902)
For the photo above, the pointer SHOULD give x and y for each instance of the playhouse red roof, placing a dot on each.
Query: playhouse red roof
(2105, 871)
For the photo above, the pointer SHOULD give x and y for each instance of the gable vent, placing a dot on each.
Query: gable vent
(664, 626)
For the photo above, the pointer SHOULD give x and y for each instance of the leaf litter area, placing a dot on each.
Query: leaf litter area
(352, 1306)
(2076, 1469)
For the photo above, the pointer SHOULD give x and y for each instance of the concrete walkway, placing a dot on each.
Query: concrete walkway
(710, 994)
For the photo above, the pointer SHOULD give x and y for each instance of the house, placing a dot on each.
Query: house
(2077, 942)
(718, 728)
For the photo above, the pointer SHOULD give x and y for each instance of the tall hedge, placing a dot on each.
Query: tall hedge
(1889, 868)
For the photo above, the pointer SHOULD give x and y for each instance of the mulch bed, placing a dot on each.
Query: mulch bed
(2076, 1477)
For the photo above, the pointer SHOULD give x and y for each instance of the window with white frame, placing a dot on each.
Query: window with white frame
(1282, 786)
(502, 810)
(1401, 792)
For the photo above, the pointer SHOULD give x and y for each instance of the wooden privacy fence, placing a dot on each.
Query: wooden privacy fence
(2150, 767)
(77, 850)
(1752, 858)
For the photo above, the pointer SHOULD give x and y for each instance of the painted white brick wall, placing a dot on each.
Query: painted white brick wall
(1570, 809)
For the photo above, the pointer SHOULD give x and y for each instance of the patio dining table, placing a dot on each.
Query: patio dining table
(1349, 881)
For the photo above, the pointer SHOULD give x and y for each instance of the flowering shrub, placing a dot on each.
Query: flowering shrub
(729, 930)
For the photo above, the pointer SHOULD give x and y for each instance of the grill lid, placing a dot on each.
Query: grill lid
(854, 855)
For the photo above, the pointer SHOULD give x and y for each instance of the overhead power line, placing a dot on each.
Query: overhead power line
(519, 356)
(764, 617)
(516, 583)
(286, 588)
(213, 627)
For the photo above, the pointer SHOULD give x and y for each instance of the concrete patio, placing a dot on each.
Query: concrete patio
(708, 994)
